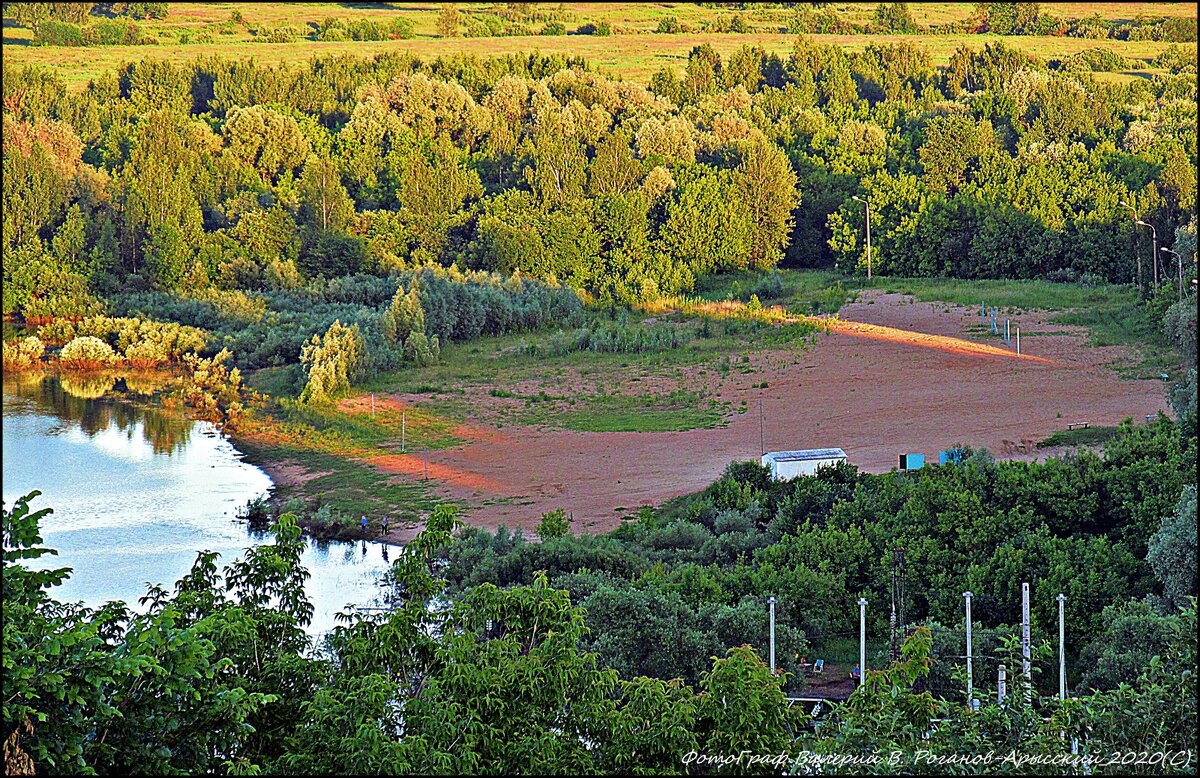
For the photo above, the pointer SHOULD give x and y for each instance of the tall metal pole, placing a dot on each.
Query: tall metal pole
(867, 205)
(1179, 263)
(1136, 255)
(771, 602)
(1154, 244)
(1062, 649)
(1026, 665)
(762, 441)
(970, 670)
(862, 640)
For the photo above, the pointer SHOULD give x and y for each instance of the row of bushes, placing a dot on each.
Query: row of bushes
(333, 29)
(615, 338)
(461, 306)
(144, 342)
(108, 32)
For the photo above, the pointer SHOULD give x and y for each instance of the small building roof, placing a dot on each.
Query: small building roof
(806, 454)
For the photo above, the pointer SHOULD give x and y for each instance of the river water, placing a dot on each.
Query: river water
(137, 490)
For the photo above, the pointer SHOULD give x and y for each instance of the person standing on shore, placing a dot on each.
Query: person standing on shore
(385, 525)
(364, 524)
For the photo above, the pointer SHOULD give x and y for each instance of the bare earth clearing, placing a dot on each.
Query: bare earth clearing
(858, 389)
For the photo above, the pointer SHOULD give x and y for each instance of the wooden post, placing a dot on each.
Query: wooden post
(403, 429)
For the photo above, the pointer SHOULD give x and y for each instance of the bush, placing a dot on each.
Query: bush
(53, 33)
(86, 352)
(57, 332)
(669, 25)
(22, 352)
(212, 389)
(331, 361)
(554, 28)
(614, 339)
(421, 349)
(554, 524)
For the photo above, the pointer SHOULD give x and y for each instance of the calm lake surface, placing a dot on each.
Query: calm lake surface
(137, 490)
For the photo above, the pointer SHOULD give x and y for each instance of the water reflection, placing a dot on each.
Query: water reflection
(138, 489)
(96, 402)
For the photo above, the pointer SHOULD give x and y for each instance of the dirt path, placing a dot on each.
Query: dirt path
(920, 386)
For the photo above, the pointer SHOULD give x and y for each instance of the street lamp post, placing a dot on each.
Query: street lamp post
(862, 640)
(970, 681)
(1179, 264)
(1154, 246)
(1136, 255)
(866, 205)
(771, 602)
(1062, 649)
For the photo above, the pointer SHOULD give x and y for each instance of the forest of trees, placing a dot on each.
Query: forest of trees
(171, 191)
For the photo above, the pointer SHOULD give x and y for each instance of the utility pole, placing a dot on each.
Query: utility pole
(866, 205)
(1026, 664)
(762, 441)
(862, 640)
(1062, 649)
(970, 677)
(771, 602)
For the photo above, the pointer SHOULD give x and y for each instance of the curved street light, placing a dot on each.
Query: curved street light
(1137, 257)
(1154, 249)
(1179, 264)
(856, 198)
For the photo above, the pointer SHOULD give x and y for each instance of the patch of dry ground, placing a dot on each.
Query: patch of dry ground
(873, 392)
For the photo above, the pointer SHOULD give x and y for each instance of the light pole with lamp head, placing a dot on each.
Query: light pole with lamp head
(1136, 255)
(1179, 264)
(866, 205)
(1154, 247)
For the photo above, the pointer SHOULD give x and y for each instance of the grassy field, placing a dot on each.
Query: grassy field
(1083, 436)
(1110, 314)
(634, 51)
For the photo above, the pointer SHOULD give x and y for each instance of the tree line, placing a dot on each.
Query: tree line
(229, 175)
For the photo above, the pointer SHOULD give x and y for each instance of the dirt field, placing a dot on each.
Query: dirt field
(862, 389)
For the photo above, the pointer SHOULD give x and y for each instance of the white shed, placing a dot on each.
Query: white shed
(789, 464)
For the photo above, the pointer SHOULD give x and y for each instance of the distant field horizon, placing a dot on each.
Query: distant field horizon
(634, 51)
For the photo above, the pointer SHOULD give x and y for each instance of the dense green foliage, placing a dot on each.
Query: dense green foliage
(219, 675)
(237, 176)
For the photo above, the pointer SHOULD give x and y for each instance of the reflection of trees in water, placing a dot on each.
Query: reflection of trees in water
(97, 402)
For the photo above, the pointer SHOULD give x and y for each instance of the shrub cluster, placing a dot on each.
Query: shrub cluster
(108, 32)
(331, 361)
(20, 353)
(615, 338)
(333, 29)
(143, 342)
(86, 353)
